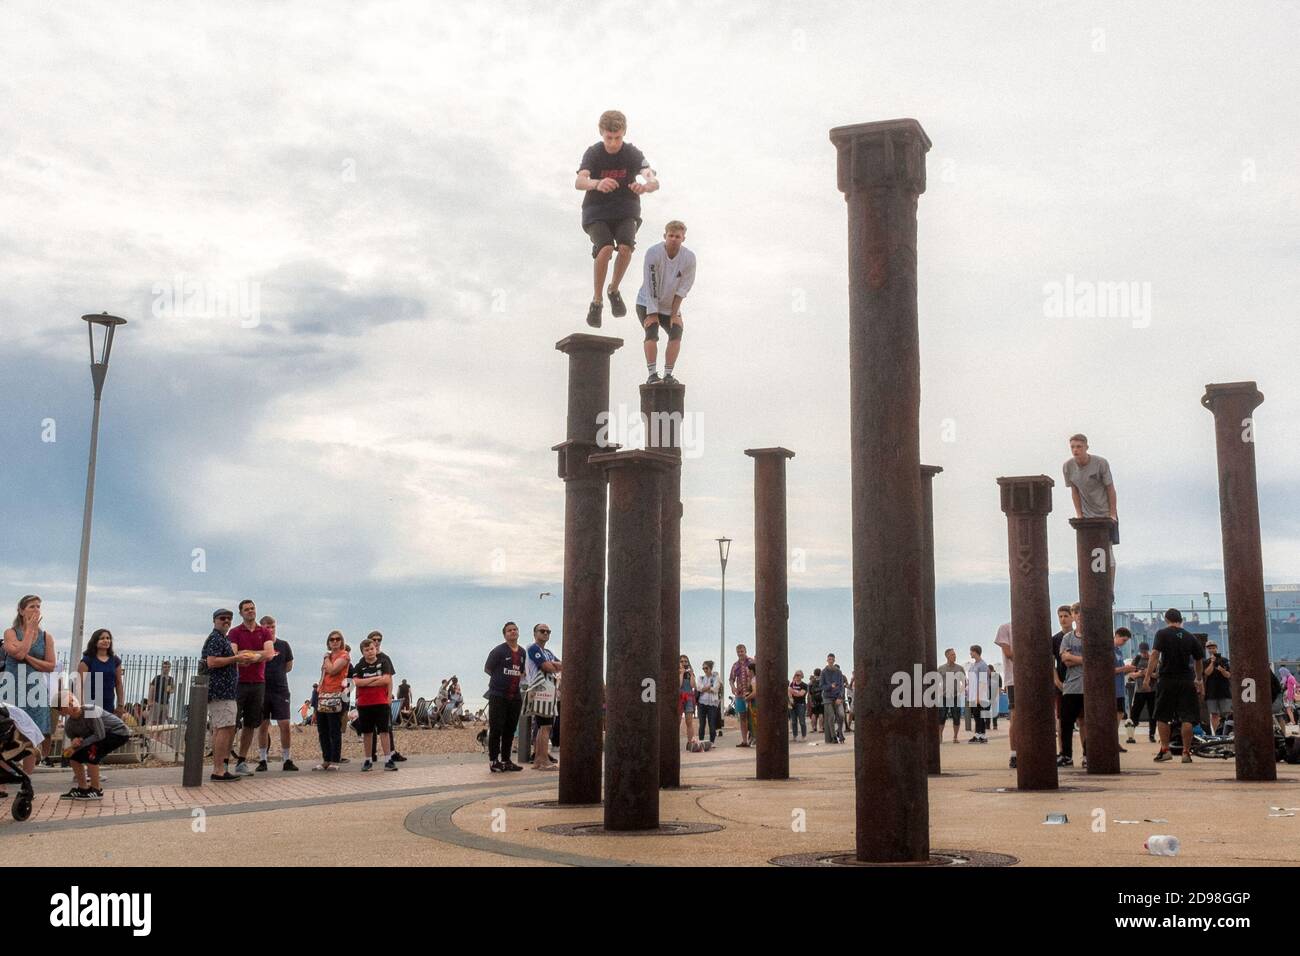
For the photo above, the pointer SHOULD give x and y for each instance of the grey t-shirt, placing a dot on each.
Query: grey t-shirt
(954, 683)
(1091, 480)
(1073, 674)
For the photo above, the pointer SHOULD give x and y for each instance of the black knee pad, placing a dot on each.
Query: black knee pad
(652, 332)
(674, 333)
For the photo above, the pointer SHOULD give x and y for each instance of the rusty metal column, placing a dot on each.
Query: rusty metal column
(881, 171)
(1233, 405)
(1027, 501)
(584, 567)
(662, 408)
(1097, 631)
(771, 613)
(632, 677)
(934, 739)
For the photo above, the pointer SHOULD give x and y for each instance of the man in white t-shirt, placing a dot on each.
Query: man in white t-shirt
(1003, 641)
(669, 273)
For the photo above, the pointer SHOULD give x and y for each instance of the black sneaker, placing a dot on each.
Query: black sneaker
(669, 379)
(75, 793)
(654, 379)
(261, 767)
(1012, 762)
(973, 740)
(511, 765)
(551, 759)
(398, 757)
(496, 766)
(1123, 750)
(94, 793)
(1064, 761)
(1163, 756)
(389, 765)
(367, 766)
(616, 305)
(593, 314)
(289, 765)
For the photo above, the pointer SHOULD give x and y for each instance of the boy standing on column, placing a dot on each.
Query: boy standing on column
(668, 274)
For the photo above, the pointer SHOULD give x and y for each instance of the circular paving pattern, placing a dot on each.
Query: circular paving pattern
(937, 858)
(1246, 783)
(756, 780)
(691, 786)
(551, 805)
(1022, 792)
(670, 828)
(1122, 773)
(954, 773)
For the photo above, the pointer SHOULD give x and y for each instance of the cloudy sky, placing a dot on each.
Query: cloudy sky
(378, 198)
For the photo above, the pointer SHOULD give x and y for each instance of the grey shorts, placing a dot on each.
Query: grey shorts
(221, 714)
(1219, 706)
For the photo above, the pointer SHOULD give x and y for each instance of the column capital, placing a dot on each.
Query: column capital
(1026, 494)
(1091, 524)
(655, 460)
(582, 342)
(883, 153)
(1225, 390)
(763, 452)
(929, 471)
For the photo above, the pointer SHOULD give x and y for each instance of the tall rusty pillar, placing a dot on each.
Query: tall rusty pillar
(771, 613)
(662, 408)
(584, 567)
(632, 676)
(934, 738)
(1027, 501)
(1233, 405)
(1097, 631)
(881, 171)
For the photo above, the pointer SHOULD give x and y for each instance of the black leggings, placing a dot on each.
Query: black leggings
(1144, 699)
(503, 718)
(980, 723)
(1071, 711)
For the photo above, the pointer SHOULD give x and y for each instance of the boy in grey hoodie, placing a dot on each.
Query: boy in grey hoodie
(89, 736)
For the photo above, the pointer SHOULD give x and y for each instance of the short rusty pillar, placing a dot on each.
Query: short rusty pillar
(662, 409)
(771, 613)
(1096, 630)
(934, 739)
(583, 647)
(632, 675)
(1027, 501)
(881, 171)
(1233, 405)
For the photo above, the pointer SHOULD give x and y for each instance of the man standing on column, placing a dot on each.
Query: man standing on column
(1093, 491)
(669, 273)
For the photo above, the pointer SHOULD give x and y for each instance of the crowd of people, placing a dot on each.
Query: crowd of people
(248, 688)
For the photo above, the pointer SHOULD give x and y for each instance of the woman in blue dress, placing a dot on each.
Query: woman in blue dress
(28, 656)
(100, 673)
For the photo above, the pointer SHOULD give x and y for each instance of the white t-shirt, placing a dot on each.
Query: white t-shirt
(977, 682)
(708, 684)
(663, 278)
(1004, 640)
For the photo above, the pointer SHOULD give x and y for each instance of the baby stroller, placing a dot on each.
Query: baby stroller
(14, 746)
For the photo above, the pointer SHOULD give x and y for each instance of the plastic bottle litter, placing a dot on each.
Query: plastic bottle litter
(1160, 845)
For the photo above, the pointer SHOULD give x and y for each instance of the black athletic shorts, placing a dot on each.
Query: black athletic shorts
(611, 232)
(665, 320)
(1119, 705)
(542, 721)
(1176, 701)
(248, 704)
(374, 719)
(275, 703)
(97, 751)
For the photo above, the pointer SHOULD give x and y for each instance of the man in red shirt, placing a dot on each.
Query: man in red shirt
(250, 636)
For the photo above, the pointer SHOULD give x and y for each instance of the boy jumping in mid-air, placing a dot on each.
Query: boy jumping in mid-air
(611, 210)
(669, 275)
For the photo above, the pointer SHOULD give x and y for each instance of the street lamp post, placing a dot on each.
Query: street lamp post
(724, 550)
(98, 372)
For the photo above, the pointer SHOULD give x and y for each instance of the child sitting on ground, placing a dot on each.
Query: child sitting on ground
(89, 734)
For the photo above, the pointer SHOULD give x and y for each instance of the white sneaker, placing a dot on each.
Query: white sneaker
(243, 769)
